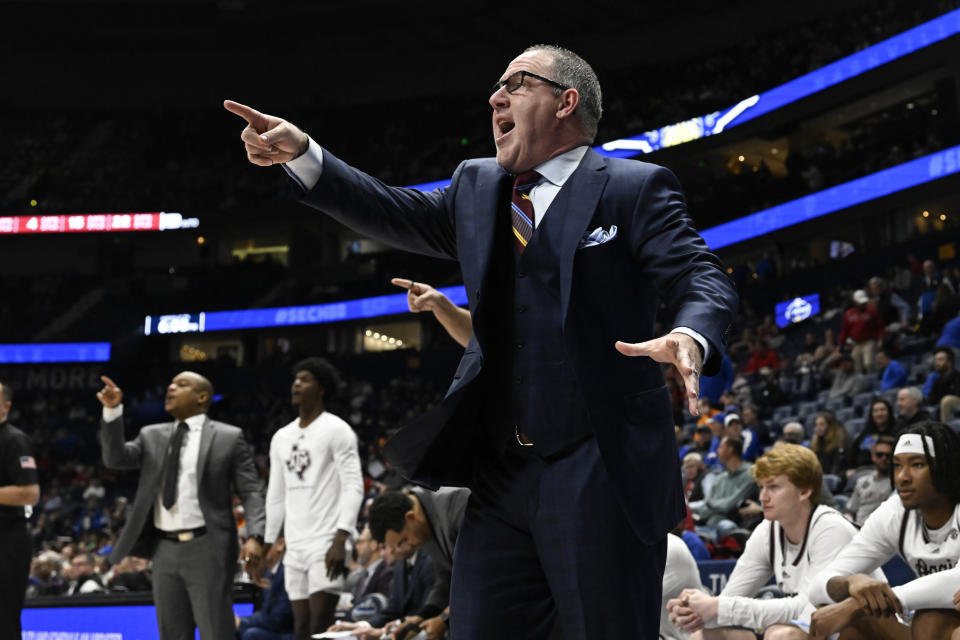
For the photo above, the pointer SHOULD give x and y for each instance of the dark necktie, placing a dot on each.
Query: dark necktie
(521, 208)
(173, 467)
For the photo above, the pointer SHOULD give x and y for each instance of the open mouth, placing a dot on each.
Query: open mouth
(504, 127)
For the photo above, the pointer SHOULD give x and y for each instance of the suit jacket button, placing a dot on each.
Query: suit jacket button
(518, 379)
(519, 345)
(521, 274)
(522, 309)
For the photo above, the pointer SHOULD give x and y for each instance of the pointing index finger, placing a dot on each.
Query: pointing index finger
(107, 381)
(251, 115)
(402, 282)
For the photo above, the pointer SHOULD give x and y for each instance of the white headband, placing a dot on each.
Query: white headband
(910, 443)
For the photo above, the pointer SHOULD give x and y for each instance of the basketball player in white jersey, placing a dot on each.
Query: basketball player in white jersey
(798, 538)
(921, 523)
(314, 496)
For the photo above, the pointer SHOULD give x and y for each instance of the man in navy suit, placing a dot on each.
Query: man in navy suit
(568, 445)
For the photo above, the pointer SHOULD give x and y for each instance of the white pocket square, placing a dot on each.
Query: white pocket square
(597, 236)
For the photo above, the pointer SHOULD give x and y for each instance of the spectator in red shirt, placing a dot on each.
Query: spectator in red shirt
(863, 326)
(761, 355)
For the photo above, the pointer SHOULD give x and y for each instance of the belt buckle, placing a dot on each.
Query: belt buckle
(522, 438)
(184, 536)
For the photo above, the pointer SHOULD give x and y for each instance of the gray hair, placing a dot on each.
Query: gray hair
(793, 427)
(914, 392)
(693, 455)
(571, 70)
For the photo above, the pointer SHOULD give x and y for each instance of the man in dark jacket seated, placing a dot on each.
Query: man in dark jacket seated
(274, 620)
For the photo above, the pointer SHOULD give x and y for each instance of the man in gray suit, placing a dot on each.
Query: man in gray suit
(183, 514)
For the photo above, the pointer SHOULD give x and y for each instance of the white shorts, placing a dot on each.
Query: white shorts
(305, 571)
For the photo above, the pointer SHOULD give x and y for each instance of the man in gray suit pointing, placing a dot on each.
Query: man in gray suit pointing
(183, 514)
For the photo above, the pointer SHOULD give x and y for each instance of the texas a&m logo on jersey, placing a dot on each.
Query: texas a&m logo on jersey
(299, 461)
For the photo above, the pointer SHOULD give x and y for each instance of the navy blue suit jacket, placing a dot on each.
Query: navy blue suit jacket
(408, 591)
(609, 292)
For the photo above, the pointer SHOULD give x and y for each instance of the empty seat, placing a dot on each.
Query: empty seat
(845, 414)
(863, 399)
(832, 481)
(788, 385)
(835, 404)
(854, 426)
(782, 412)
(806, 408)
(919, 372)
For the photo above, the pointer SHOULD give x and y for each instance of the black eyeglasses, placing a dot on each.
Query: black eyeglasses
(515, 80)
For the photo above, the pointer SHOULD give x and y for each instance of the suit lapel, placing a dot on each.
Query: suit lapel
(161, 461)
(486, 200)
(586, 186)
(207, 434)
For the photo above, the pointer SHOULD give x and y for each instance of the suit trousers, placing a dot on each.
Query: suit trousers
(192, 589)
(547, 545)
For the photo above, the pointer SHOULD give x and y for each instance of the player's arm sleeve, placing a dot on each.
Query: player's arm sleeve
(276, 490)
(824, 543)
(870, 547)
(934, 591)
(751, 572)
(347, 460)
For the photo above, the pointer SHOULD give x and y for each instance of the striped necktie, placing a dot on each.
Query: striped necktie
(521, 208)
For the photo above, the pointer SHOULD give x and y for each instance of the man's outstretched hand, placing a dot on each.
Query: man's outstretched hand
(681, 351)
(268, 140)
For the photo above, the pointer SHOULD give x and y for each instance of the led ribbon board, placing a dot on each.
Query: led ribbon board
(125, 622)
(96, 222)
(876, 185)
(902, 44)
(57, 352)
(288, 316)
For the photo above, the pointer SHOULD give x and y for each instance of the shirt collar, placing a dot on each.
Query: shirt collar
(195, 423)
(558, 169)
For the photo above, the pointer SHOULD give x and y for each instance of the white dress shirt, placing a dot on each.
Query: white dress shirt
(307, 169)
(185, 513)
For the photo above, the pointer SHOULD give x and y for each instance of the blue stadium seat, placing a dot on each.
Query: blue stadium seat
(832, 480)
(835, 404)
(788, 385)
(863, 400)
(781, 412)
(919, 372)
(854, 426)
(845, 414)
(807, 408)
(890, 395)
(842, 501)
(823, 396)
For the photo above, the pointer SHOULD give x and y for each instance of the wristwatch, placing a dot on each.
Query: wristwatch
(258, 538)
(446, 618)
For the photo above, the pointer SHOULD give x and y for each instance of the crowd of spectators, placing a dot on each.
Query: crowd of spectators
(847, 398)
